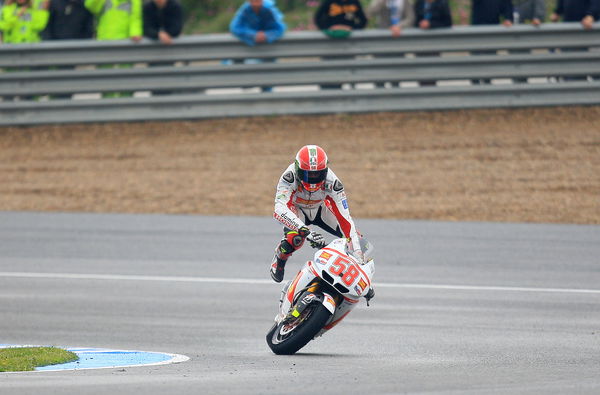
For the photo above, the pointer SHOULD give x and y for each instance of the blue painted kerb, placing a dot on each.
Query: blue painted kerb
(95, 358)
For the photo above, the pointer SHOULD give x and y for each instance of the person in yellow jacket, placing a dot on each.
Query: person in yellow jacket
(22, 21)
(117, 19)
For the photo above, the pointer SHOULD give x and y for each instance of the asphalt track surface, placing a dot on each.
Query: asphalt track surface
(460, 307)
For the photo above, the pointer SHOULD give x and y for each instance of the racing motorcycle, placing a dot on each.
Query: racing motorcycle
(321, 295)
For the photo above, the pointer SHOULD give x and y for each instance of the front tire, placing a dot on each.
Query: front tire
(291, 335)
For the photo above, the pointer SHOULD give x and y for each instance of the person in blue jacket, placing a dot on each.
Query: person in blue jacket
(257, 22)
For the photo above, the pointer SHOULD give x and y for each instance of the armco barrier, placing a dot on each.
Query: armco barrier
(549, 65)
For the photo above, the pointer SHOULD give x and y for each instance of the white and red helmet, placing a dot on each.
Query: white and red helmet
(311, 167)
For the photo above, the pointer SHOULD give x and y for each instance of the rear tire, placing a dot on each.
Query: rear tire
(284, 340)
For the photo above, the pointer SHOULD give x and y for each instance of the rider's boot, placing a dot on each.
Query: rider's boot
(282, 253)
(277, 269)
(291, 241)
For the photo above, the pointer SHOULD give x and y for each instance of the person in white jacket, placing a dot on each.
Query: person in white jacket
(392, 14)
(309, 193)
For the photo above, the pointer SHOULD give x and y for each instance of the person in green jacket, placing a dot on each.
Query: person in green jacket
(117, 19)
(21, 21)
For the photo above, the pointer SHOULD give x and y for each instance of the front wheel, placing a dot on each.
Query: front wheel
(292, 334)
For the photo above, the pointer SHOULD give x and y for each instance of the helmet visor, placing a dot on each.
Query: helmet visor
(312, 177)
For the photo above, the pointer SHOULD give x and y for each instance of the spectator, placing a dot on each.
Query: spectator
(392, 14)
(117, 19)
(584, 11)
(533, 11)
(69, 20)
(163, 20)
(22, 22)
(489, 12)
(431, 14)
(337, 18)
(1, 5)
(257, 22)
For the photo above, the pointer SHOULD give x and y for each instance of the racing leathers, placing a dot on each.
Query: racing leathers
(296, 208)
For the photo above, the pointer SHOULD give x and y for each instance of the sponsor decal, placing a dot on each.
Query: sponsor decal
(362, 284)
(312, 158)
(325, 256)
(288, 222)
(345, 203)
(307, 202)
(349, 10)
(338, 186)
(288, 177)
(358, 290)
(309, 298)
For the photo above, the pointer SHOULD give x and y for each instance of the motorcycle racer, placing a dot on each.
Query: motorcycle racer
(309, 193)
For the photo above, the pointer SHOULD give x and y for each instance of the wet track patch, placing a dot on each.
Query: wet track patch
(103, 358)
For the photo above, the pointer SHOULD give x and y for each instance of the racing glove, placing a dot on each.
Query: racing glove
(304, 231)
(316, 240)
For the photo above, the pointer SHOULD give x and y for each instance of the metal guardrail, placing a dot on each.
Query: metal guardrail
(183, 107)
(460, 53)
(198, 78)
(300, 44)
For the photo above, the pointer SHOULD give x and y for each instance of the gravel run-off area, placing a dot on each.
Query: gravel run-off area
(519, 165)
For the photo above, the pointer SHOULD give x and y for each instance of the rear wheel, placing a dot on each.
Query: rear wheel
(294, 333)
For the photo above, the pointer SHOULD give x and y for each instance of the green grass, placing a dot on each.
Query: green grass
(28, 358)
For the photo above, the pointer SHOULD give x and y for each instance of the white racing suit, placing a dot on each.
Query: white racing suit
(327, 208)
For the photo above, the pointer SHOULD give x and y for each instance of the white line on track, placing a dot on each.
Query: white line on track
(489, 288)
(131, 277)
